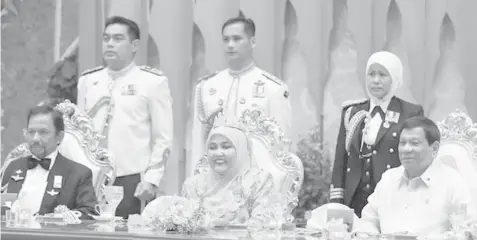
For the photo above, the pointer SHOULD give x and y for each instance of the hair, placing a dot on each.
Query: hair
(248, 25)
(431, 130)
(133, 28)
(48, 108)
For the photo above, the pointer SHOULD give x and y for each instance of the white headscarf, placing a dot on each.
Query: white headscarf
(393, 64)
(243, 159)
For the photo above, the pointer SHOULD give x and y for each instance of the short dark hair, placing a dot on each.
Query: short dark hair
(45, 109)
(431, 130)
(248, 25)
(133, 28)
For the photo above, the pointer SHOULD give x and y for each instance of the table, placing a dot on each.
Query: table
(95, 230)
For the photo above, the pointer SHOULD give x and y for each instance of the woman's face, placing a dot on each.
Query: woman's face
(378, 80)
(221, 154)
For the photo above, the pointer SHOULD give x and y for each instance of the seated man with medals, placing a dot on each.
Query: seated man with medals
(46, 179)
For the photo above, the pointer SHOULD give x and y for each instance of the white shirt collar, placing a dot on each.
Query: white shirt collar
(384, 106)
(117, 74)
(426, 177)
(242, 71)
(51, 156)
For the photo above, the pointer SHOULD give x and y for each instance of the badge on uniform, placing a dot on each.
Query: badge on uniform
(17, 177)
(129, 90)
(392, 116)
(259, 89)
(57, 181)
(212, 91)
(52, 192)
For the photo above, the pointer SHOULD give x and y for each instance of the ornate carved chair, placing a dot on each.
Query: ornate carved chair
(458, 148)
(271, 151)
(80, 144)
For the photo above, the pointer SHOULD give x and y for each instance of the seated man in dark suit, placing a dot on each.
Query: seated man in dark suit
(47, 179)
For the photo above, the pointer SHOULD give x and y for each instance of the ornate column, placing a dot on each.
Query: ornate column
(209, 16)
(90, 32)
(307, 27)
(171, 29)
(268, 16)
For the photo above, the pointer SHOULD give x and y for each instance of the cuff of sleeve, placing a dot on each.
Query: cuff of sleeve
(336, 193)
(153, 177)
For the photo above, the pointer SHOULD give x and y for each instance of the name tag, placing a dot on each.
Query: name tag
(57, 181)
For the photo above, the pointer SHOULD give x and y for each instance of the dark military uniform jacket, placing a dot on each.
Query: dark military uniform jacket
(347, 169)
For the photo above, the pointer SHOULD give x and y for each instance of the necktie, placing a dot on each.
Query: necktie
(44, 163)
(378, 109)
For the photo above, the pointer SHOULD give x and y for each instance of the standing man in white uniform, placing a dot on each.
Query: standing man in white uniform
(132, 106)
(239, 87)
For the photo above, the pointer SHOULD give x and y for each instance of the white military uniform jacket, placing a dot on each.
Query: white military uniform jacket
(140, 126)
(235, 92)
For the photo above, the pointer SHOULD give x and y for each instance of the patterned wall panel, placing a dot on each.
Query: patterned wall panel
(319, 47)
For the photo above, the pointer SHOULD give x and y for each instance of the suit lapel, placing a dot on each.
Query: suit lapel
(17, 178)
(356, 140)
(60, 171)
(394, 106)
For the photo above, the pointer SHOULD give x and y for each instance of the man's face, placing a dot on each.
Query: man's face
(41, 135)
(118, 45)
(237, 43)
(415, 153)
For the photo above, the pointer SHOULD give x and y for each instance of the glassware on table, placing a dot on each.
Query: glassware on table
(277, 203)
(113, 195)
(105, 210)
(11, 218)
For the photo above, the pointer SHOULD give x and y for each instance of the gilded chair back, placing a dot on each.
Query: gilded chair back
(80, 144)
(270, 151)
(458, 147)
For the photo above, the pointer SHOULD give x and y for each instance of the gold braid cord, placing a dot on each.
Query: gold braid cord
(352, 124)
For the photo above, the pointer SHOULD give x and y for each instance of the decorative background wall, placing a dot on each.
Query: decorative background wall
(319, 47)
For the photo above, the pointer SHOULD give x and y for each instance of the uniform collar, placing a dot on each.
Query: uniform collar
(384, 105)
(52, 156)
(242, 71)
(117, 74)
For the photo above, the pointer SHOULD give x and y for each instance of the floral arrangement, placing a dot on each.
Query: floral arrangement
(178, 214)
(317, 164)
(465, 230)
(61, 209)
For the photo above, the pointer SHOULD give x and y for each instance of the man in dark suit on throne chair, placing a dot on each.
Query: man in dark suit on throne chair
(47, 179)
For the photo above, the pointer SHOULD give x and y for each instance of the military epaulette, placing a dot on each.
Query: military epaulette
(207, 76)
(152, 70)
(353, 102)
(92, 70)
(272, 78)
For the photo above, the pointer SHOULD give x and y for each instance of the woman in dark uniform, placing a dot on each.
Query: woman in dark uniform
(368, 138)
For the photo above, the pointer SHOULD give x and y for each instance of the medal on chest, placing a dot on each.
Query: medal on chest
(259, 89)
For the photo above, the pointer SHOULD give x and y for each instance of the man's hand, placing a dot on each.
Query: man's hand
(145, 191)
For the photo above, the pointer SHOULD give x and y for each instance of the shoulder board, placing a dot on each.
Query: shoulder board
(208, 76)
(353, 102)
(152, 70)
(92, 70)
(272, 78)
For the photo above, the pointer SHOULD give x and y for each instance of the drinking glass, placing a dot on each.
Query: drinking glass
(114, 195)
(11, 218)
(277, 203)
(105, 210)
